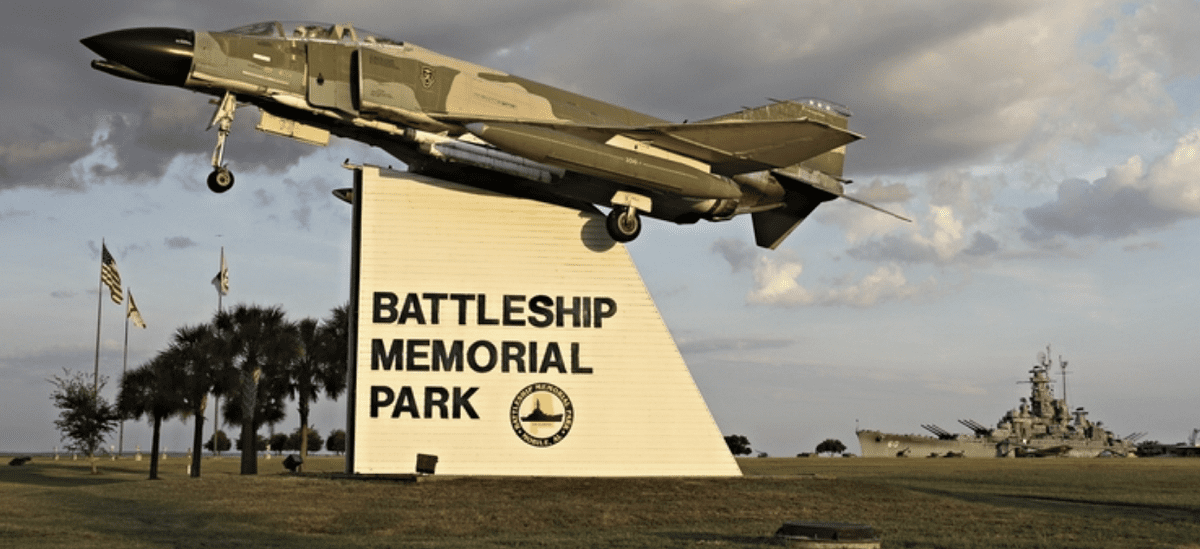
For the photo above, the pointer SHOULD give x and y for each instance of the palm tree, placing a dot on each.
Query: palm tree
(335, 338)
(258, 343)
(196, 349)
(152, 390)
(318, 366)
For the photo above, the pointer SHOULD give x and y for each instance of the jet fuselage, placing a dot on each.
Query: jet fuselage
(457, 120)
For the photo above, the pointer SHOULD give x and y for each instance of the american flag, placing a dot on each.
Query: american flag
(109, 275)
(133, 313)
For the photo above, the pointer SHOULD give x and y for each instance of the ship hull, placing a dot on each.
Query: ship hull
(879, 444)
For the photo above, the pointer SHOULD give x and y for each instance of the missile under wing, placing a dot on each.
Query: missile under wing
(456, 120)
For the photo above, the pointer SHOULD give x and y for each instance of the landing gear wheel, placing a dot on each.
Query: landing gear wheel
(623, 224)
(220, 180)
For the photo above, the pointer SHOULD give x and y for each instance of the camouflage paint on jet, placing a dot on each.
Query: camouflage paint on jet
(459, 121)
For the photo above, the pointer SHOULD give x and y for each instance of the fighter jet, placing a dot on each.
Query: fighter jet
(463, 122)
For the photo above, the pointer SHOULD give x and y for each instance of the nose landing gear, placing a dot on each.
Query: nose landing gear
(221, 179)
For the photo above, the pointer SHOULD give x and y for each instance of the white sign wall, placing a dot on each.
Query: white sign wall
(511, 337)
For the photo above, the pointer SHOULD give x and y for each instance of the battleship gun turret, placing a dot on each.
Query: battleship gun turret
(980, 430)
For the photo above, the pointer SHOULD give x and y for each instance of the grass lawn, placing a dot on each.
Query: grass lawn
(960, 503)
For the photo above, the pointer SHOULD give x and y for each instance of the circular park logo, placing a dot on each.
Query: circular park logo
(542, 415)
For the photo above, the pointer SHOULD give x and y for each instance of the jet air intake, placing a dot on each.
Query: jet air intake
(158, 55)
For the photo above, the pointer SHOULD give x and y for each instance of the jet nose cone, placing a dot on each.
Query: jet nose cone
(159, 54)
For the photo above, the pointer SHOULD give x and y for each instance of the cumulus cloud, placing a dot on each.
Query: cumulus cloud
(939, 238)
(776, 284)
(1031, 77)
(139, 147)
(36, 161)
(776, 281)
(858, 223)
(1129, 199)
(886, 283)
(931, 84)
(739, 255)
(982, 245)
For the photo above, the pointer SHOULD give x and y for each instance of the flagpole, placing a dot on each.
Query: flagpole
(216, 398)
(99, 311)
(124, 366)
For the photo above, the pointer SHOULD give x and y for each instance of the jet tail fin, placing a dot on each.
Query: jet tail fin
(805, 190)
(771, 227)
(802, 198)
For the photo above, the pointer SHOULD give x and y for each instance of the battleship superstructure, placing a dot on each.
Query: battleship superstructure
(1041, 426)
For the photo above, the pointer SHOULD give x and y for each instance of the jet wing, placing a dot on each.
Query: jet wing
(741, 146)
(730, 147)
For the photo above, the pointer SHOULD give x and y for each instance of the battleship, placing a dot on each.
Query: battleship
(1041, 426)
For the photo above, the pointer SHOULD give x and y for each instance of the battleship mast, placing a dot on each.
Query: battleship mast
(1063, 365)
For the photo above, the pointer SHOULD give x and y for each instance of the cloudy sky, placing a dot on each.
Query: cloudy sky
(1047, 152)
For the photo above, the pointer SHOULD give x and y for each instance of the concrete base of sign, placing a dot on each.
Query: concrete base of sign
(510, 337)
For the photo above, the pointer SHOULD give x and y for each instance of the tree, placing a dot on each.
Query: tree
(336, 442)
(85, 419)
(195, 351)
(320, 364)
(258, 343)
(336, 335)
(831, 446)
(314, 440)
(152, 390)
(259, 442)
(222, 445)
(738, 445)
(278, 443)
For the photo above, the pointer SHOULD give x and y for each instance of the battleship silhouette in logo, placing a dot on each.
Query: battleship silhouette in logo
(538, 416)
(541, 427)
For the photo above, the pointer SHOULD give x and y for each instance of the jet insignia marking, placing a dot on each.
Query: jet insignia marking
(462, 122)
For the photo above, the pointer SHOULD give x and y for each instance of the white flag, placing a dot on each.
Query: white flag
(132, 312)
(221, 281)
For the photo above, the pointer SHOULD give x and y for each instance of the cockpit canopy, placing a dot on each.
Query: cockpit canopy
(341, 32)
